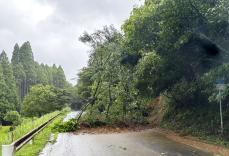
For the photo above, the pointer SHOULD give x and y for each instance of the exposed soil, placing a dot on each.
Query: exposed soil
(110, 129)
(194, 142)
(158, 110)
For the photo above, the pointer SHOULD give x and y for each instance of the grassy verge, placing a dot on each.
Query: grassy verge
(3, 134)
(40, 140)
(27, 125)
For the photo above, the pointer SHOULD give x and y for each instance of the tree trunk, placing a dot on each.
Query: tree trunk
(89, 102)
(110, 101)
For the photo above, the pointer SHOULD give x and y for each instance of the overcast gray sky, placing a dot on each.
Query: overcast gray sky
(53, 27)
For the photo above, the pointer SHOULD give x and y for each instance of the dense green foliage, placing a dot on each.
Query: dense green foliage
(13, 117)
(177, 48)
(68, 126)
(17, 77)
(107, 83)
(43, 99)
(41, 139)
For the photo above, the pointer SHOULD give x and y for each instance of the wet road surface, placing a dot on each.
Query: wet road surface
(145, 143)
(71, 115)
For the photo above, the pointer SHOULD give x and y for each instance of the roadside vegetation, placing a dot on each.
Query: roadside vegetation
(11, 134)
(4, 134)
(68, 126)
(42, 138)
(26, 126)
(174, 49)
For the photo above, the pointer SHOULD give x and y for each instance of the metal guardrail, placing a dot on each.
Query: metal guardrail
(10, 150)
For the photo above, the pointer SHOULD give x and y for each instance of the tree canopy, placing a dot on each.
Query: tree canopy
(18, 76)
(175, 49)
(43, 99)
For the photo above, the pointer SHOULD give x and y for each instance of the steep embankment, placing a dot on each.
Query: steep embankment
(158, 108)
(157, 119)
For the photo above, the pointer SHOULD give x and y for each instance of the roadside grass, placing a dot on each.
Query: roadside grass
(3, 134)
(26, 126)
(41, 139)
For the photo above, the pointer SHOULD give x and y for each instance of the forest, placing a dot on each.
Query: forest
(26, 85)
(171, 51)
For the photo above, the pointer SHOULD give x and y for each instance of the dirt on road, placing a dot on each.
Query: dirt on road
(187, 140)
(140, 143)
(128, 141)
(194, 142)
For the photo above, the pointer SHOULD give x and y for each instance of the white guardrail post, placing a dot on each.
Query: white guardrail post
(8, 150)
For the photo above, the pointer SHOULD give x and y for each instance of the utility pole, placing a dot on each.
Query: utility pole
(221, 112)
(220, 85)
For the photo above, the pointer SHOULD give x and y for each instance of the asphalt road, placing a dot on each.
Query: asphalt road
(145, 143)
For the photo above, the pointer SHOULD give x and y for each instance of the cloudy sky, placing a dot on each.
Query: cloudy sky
(54, 26)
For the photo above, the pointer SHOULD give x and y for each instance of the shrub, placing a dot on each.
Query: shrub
(68, 126)
(13, 117)
(66, 109)
(43, 99)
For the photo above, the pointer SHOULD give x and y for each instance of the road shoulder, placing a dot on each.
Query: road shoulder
(193, 142)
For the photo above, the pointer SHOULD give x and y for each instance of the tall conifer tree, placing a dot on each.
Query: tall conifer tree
(18, 72)
(9, 80)
(15, 57)
(27, 60)
(59, 79)
(5, 105)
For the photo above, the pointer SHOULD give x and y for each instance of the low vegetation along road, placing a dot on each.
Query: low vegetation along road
(144, 143)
